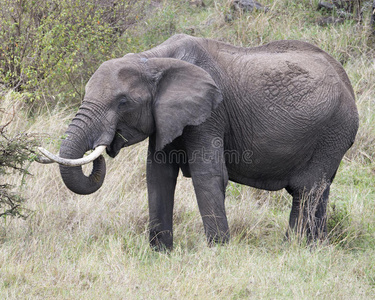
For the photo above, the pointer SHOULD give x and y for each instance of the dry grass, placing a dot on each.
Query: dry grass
(95, 247)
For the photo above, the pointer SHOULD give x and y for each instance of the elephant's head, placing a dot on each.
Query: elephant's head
(127, 100)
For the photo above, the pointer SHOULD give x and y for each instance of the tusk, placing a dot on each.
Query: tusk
(71, 162)
(43, 160)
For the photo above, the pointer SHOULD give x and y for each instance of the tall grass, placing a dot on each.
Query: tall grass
(95, 247)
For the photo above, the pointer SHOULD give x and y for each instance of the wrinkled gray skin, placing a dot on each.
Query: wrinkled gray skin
(276, 116)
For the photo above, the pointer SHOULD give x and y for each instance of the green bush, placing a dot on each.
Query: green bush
(15, 154)
(49, 49)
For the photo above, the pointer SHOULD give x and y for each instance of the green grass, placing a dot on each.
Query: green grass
(95, 247)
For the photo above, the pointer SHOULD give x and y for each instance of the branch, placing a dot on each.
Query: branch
(2, 127)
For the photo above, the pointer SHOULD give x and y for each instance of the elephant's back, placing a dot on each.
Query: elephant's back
(287, 90)
(310, 51)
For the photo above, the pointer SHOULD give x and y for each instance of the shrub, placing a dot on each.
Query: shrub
(49, 49)
(15, 152)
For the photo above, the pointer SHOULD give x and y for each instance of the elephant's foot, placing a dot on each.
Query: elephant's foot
(218, 239)
(161, 240)
(311, 233)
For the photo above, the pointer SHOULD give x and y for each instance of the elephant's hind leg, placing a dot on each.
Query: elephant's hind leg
(309, 211)
(310, 190)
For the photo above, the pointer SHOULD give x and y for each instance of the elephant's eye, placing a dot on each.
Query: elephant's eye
(126, 104)
(123, 101)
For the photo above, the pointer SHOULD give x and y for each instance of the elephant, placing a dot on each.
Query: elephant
(276, 116)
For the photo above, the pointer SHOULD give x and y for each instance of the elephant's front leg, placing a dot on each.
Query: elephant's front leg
(161, 183)
(210, 178)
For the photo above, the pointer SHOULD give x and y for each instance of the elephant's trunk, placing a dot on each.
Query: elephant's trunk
(75, 146)
(74, 178)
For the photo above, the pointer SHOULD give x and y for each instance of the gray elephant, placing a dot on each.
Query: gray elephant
(276, 116)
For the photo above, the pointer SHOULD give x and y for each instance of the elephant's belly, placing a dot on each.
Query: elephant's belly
(270, 184)
(269, 172)
(269, 162)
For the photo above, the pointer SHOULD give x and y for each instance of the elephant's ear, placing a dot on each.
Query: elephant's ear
(185, 95)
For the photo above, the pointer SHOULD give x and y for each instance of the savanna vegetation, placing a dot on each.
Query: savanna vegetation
(58, 245)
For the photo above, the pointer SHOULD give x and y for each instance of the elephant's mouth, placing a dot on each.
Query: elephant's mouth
(119, 141)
